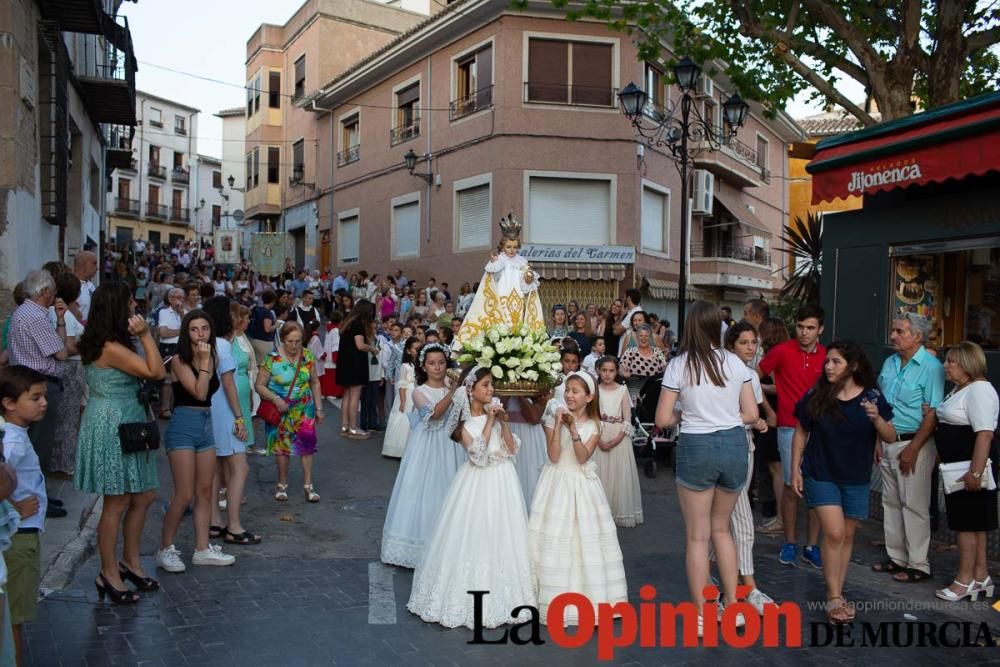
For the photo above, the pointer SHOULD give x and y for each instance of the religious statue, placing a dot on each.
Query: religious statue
(508, 292)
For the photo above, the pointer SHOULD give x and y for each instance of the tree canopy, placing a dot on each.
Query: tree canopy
(902, 51)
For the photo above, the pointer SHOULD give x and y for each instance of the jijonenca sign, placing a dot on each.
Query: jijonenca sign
(619, 254)
(861, 181)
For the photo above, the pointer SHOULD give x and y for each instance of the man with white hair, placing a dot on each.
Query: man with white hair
(85, 268)
(912, 379)
(35, 344)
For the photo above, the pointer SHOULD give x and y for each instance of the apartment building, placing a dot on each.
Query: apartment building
(152, 197)
(234, 132)
(67, 111)
(503, 111)
(284, 65)
(210, 191)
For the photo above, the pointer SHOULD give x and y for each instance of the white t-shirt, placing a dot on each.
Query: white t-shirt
(169, 318)
(708, 408)
(83, 301)
(977, 405)
(73, 327)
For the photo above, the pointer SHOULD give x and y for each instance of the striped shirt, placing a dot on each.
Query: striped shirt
(33, 341)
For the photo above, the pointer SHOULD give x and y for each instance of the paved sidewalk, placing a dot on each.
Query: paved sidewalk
(67, 542)
(314, 593)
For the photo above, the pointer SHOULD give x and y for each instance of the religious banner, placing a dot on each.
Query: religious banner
(267, 253)
(227, 246)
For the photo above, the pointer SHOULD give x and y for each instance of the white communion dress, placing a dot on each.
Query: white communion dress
(429, 465)
(480, 542)
(571, 535)
(532, 454)
(397, 430)
(616, 468)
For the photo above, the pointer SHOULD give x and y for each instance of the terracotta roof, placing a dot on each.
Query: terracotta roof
(374, 55)
(832, 123)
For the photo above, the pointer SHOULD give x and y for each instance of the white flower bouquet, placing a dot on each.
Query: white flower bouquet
(523, 362)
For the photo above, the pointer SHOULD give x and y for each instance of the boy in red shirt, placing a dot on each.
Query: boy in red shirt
(795, 365)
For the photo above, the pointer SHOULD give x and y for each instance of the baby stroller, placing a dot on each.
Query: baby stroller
(651, 444)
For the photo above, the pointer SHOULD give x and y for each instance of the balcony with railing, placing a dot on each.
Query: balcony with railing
(156, 211)
(180, 175)
(125, 206)
(352, 154)
(106, 69)
(118, 139)
(398, 135)
(156, 170)
(471, 103)
(570, 95)
(180, 214)
(727, 250)
(734, 160)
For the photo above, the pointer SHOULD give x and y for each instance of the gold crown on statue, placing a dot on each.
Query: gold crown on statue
(510, 226)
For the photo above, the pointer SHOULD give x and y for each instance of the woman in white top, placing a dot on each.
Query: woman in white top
(714, 386)
(221, 286)
(967, 420)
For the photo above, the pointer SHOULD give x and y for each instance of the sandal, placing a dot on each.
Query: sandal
(246, 537)
(839, 614)
(311, 494)
(215, 532)
(911, 576)
(889, 566)
(281, 492)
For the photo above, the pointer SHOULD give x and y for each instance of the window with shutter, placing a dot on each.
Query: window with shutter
(473, 206)
(568, 72)
(473, 82)
(273, 163)
(406, 229)
(407, 124)
(249, 185)
(592, 74)
(557, 206)
(256, 167)
(274, 90)
(548, 71)
(348, 240)
(300, 78)
(655, 231)
(298, 161)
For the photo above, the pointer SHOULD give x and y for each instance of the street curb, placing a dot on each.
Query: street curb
(64, 567)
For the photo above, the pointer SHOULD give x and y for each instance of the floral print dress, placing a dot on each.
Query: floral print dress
(295, 434)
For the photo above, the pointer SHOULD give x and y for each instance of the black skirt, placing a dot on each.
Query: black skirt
(968, 511)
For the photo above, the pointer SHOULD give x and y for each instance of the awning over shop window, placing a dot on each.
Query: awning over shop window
(739, 210)
(578, 271)
(667, 290)
(950, 142)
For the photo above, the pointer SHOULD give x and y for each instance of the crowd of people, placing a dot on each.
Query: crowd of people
(86, 374)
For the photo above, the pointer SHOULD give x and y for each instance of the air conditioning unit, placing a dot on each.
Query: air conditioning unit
(705, 87)
(704, 192)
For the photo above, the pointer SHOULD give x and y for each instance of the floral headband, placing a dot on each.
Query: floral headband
(470, 379)
(431, 347)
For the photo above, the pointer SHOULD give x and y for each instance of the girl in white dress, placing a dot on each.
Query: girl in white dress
(397, 430)
(428, 467)
(571, 535)
(525, 423)
(480, 542)
(614, 457)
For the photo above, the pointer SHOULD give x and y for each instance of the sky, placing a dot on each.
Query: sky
(208, 38)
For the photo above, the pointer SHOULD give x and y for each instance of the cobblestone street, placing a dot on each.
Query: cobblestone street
(314, 592)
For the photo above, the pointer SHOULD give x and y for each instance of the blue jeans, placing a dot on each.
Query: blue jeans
(190, 428)
(713, 460)
(785, 434)
(369, 406)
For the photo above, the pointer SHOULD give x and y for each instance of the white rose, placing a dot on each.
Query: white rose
(512, 376)
(494, 335)
(487, 353)
(504, 330)
(511, 362)
(497, 372)
(531, 375)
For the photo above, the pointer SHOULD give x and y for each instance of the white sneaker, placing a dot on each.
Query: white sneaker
(758, 599)
(212, 556)
(169, 559)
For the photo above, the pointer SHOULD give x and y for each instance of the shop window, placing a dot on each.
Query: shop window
(957, 290)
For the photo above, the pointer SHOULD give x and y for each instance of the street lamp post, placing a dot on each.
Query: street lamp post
(680, 127)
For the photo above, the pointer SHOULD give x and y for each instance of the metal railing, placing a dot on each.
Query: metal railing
(180, 175)
(127, 206)
(352, 154)
(570, 95)
(471, 103)
(724, 250)
(745, 153)
(180, 129)
(156, 211)
(180, 214)
(118, 137)
(398, 135)
(156, 171)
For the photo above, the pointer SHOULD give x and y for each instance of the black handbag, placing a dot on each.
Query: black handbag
(139, 436)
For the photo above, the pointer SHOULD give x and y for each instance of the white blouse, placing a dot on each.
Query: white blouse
(975, 405)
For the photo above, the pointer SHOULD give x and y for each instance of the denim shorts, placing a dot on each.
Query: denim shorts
(709, 460)
(852, 498)
(785, 434)
(189, 428)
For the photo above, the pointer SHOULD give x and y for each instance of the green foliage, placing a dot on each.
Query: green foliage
(804, 244)
(937, 52)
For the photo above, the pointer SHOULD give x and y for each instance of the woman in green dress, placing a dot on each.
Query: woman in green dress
(128, 482)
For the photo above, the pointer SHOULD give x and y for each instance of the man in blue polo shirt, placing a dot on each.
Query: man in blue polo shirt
(911, 379)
